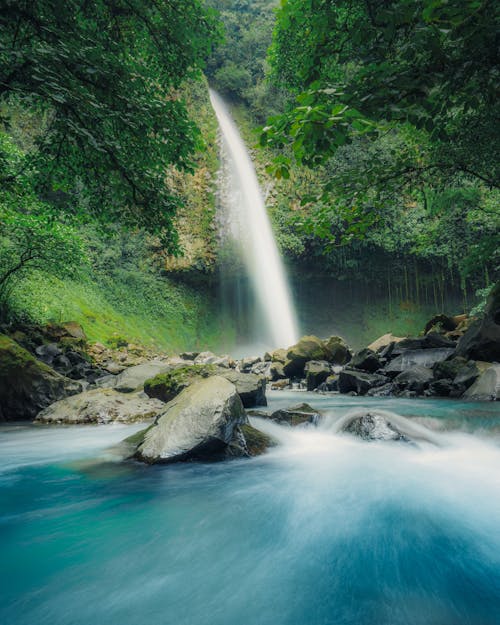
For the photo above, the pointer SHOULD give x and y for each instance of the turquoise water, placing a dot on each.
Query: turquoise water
(323, 529)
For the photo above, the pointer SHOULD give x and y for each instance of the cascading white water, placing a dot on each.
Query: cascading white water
(251, 229)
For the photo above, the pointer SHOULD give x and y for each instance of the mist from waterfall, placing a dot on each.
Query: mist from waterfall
(244, 220)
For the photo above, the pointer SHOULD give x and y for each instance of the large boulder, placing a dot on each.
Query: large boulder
(359, 382)
(198, 424)
(482, 340)
(28, 385)
(250, 387)
(384, 341)
(366, 360)
(308, 348)
(316, 372)
(338, 350)
(133, 378)
(487, 386)
(417, 357)
(102, 405)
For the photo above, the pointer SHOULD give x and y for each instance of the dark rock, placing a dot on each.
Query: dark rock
(246, 364)
(482, 340)
(28, 385)
(448, 369)
(374, 427)
(296, 415)
(338, 349)
(467, 375)
(359, 382)
(440, 324)
(48, 353)
(276, 371)
(331, 384)
(257, 442)
(366, 360)
(316, 372)
(429, 341)
(279, 355)
(279, 385)
(386, 390)
(442, 387)
(417, 357)
(189, 355)
(487, 386)
(415, 378)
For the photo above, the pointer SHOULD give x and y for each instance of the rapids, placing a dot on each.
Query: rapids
(322, 529)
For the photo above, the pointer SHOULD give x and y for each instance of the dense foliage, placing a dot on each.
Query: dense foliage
(102, 77)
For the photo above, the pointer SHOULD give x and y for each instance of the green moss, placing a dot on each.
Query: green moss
(166, 386)
(14, 358)
(257, 441)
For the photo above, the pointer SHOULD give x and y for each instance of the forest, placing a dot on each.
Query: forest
(249, 312)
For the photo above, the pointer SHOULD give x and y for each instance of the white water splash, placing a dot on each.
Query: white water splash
(250, 227)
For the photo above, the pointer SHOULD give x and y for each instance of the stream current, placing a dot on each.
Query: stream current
(324, 529)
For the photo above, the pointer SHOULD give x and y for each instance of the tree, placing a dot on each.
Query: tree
(106, 75)
(364, 66)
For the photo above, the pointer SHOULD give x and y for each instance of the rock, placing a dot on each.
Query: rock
(442, 387)
(384, 341)
(482, 340)
(416, 378)
(316, 372)
(257, 442)
(28, 385)
(279, 355)
(448, 369)
(467, 375)
(250, 387)
(487, 386)
(359, 382)
(74, 330)
(166, 386)
(417, 357)
(133, 378)
(261, 368)
(308, 348)
(366, 360)
(440, 324)
(47, 353)
(386, 390)
(338, 350)
(276, 371)
(296, 415)
(374, 427)
(267, 357)
(331, 384)
(246, 364)
(102, 406)
(206, 358)
(429, 341)
(198, 424)
(279, 385)
(189, 355)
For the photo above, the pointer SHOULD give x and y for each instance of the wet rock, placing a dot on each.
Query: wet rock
(133, 378)
(415, 378)
(482, 340)
(374, 427)
(467, 375)
(448, 369)
(366, 360)
(276, 371)
(102, 406)
(386, 390)
(487, 385)
(249, 441)
(251, 388)
(296, 415)
(308, 348)
(416, 357)
(198, 424)
(28, 385)
(338, 350)
(331, 384)
(359, 381)
(442, 387)
(316, 372)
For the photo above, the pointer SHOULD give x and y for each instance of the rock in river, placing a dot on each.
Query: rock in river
(102, 405)
(28, 385)
(198, 423)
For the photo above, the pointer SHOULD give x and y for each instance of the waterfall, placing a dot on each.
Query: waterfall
(245, 221)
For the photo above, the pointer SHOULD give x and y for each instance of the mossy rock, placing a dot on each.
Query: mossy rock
(27, 385)
(166, 386)
(257, 442)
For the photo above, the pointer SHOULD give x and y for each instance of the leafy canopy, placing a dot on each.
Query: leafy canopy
(104, 76)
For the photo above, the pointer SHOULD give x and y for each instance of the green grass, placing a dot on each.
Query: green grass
(152, 312)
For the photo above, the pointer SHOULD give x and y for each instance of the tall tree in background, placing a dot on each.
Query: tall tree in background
(103, 76)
